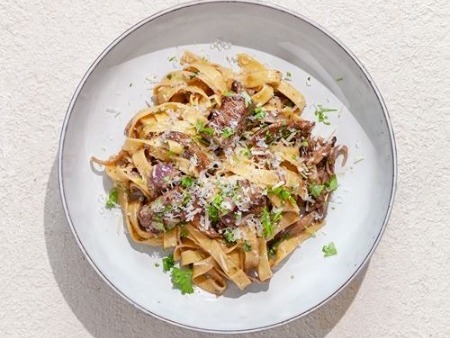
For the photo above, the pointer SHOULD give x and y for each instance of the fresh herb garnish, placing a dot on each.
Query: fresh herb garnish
(276, 243)
(321, 111)
(304, 143)
(182, 279)
(172, 58)
(332, 184)
(228, 235)
(245, 152)
(187, 181)
(169, 76)
(339, 79)
(168, 263)
(329, 250)
(157, 265)
(113, 197)
(227, 132)
(247, 246)
(184, 232)
(259, 113)
(131, 84)
(288, 76)
(283, 194)
(316, 189)
(200, 127)
(268, 227)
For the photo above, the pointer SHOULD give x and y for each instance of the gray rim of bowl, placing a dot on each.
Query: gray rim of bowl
(174, 9)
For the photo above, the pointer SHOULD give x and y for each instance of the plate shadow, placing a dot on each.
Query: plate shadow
(105, 314)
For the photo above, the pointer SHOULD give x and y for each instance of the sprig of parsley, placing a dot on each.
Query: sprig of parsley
(283, 194)
(182, 279)
(187, 181)
(200, 127)
(259, 113)
(228, 235)
(168, 263)
(329, 250)
(113, 197)
(227, 132)
(247, 246)
(268, 221)
(320, 113)
(316, 189)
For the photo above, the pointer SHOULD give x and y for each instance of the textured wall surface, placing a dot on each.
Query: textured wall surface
(47, 289)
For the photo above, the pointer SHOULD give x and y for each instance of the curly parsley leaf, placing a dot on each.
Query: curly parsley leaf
(247, 246)
(283, 194)
(227, 132)
(332, 184)
(168, 263)
(268, 226)
(259, 113)
(201, 128)
(316, 189)
(228, 235)
(329, 250)
(182, 279)
(187, 181)
(113, 198)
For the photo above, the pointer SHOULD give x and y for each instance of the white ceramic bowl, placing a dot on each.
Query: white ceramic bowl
(117, 85)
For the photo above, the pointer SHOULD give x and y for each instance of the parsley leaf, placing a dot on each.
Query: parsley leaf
(332, 184)
(169, 76)
(113, 197)
(316, 189)
(339, 79)
(247, 246)
(329, 250)
(200, 127)
(259, 113)
(288, 76)
(172, 58)
(283, 194)
(168, 263)
(228, 235)
(321, 111)
(245, 152)
(187, 181)
(268, 227)
(227, 132)
(182, 279)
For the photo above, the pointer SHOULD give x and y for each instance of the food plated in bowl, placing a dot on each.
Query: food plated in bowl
(339, 98)
(224, 171)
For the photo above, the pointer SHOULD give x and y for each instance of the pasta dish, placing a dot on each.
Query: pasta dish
(223, 171)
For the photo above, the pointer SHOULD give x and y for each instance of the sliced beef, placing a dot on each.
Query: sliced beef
(279, 130)
(163, 213)
(134, 193)
(161, 177)
(228, 120)
(237, 87)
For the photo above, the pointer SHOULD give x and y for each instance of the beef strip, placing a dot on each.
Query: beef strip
(191, 148)
(161, 177)
(283, 129)
(229, 117)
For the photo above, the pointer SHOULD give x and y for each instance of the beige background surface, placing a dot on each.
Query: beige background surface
(47, 289)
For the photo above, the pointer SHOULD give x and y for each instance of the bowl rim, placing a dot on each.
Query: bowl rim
(206, 2)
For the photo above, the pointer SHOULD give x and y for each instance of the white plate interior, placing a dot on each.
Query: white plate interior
(120, 85)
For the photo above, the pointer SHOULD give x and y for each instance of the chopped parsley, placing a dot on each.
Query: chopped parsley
(288, 76)
(332, 184)
(187, 181)
(227, 132)
(316, 189)
(329, 250)
(131, 84)
(339, 79)
(259, 113)
(169, 76)
(283, 194)
(113, 197)
(304, 143)
(273, 247)
(245, 152)
(247, 246)
(213, 210)
(200, 127)
(172, 58)
(247, 98)
(184, 232)
(182, 279)
(321, 114)
(168, 263)
(157, 265)
(268, 226)
(228, 235)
